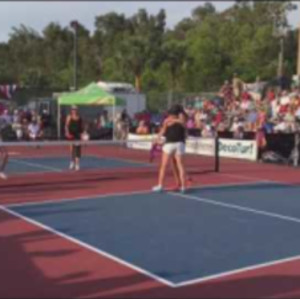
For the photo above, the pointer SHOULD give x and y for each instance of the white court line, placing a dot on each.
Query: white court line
(245, 177)
(145, 272)
(241, 270)
(91, 248)
(87, 197)
(244, 269)
(36, 165)
(108, 195)
(237, 207)
(142, 163)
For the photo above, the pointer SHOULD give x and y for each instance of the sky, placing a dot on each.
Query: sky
(38, 15)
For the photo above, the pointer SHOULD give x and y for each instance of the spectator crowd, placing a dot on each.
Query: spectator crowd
(237, 108)
(25, 125)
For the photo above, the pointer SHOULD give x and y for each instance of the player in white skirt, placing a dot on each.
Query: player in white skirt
(174, 132)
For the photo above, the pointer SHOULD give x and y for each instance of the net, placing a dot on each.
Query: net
(133, 158)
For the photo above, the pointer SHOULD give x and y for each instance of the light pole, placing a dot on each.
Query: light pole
(74, 25)
(279, 31)
(281, 56)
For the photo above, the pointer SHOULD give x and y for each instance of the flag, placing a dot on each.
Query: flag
(8, 90)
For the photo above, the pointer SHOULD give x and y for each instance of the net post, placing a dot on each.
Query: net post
(217, 155)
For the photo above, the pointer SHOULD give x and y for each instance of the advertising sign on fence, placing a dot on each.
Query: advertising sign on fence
(240, 149)
(229, 148)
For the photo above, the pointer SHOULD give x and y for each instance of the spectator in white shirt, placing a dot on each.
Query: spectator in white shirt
(34, 130)
(281, 127)
(297, 114)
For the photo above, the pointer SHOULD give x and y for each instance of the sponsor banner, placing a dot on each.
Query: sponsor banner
(240, 149)
(200, 146)
(143, 142)
(228, 148)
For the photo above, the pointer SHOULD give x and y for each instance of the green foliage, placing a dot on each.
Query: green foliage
(197, 55)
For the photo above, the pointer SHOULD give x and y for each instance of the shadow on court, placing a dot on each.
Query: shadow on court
(37, 266)
(265, 286)
(24, 278)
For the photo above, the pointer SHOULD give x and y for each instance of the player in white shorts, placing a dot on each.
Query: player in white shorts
(174, 131)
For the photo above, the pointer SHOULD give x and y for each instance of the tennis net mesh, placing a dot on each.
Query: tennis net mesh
(128, 158)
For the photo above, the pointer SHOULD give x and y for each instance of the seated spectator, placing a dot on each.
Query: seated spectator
(16, 117)
(270, 95)
(251, 119)
(190, 124)
(34, 130)
(236, 124)
(24, 128)
(239, 133)
(268, 127)
(6, 119)
(289, 117)
(218, 118)
(17, 127)
(245, 104)
(207, 131)
(297, 113)
(281, 126)
(142, 128)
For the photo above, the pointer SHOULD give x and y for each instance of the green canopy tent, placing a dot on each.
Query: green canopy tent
(91, 95)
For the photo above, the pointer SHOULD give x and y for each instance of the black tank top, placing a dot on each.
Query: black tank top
(175, 133)
(75, 127)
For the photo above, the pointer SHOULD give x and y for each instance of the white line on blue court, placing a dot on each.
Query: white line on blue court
(142, 163)
(92, 248)
(36, 165)
(147, 273)
(108, 195)
(245, 177)
(237, 271)
(237, 207)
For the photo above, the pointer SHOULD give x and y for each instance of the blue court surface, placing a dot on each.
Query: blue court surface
(58, 164)
(184, 237)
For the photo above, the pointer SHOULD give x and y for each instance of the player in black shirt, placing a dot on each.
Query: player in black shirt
(74, 129)
(174, 131)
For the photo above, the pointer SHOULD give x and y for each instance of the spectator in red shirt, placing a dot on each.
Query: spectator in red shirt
(271, 95)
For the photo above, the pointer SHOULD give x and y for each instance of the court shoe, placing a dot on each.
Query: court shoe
(72, 166)
(3, 176)
(157, 188)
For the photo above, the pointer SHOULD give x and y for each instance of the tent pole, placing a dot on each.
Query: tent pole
(58, 122)
(114, 121)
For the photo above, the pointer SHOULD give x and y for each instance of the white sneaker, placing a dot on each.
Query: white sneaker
(157, 188)
(72, 166)
(77, 167)
(3, 176)
(182, 190)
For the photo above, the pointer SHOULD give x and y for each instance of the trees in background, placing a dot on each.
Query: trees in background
(198, 54)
